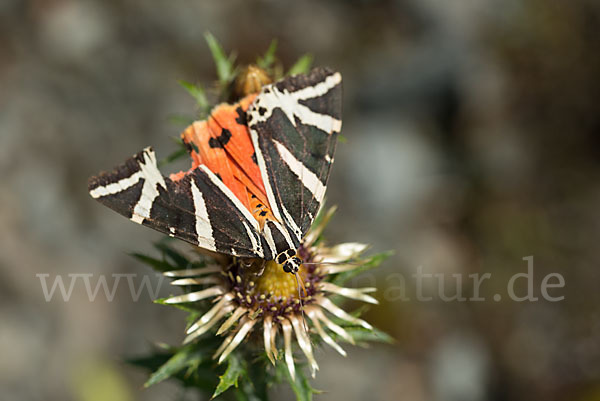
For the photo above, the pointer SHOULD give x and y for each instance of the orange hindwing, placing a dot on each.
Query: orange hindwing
(223, 144)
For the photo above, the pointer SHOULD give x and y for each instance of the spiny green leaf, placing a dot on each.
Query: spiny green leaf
(242, 396)
(191, 364)
(156, 264)
(324, 212)
(180, 119)
(369, 264)
(176, 155)
(180, 261)
(324, 215)
(177, 140)
(193, 317)
(358, 312)
(268, 59)
(150, 362)
(183, 358)
(301, 386)
(302, 65)
(198, 93)
(253, 386)
(362, 335)
(224, 64)
(203, 377)
(188, 307)
(235, 369)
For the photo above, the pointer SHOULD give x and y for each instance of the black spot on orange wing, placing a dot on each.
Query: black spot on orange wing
(241, 118)
(262, 111)
(254, 158)
(221, 140)
(213, 143)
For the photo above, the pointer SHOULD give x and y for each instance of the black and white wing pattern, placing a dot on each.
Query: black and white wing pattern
(294, 125)
(197, 208)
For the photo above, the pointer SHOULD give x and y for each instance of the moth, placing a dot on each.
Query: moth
(259, 173)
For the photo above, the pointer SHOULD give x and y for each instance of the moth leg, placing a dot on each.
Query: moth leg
(261, 269)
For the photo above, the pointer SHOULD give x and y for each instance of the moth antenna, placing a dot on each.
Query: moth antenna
(333, 263)
(298, 284)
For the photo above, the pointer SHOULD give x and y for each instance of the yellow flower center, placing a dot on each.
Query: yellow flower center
(265, 287)
(277, 283)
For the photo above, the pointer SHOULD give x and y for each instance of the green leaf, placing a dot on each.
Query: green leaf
(182, 359)
(193, 316)
(156, 264)
(180, 261)
(302, 65)
(253, 387)
(324, 212)
(301, 386)
(362, 335)
(191, 364)
(242, 396)
(180, 119)
(150, 362)
(188, 307)
(369, 264)
(176, 155)
(235, 369)
(224, 64)
(324, 215)
(265, 62)
(198, 93)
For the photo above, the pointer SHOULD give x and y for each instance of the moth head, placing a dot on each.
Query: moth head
(285, 255)
(289, 261)
(292, 265)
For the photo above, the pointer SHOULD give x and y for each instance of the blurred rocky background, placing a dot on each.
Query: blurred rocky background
(472, 143)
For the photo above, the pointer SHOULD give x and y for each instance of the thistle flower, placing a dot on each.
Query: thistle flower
(250, 295)
(256, 306)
